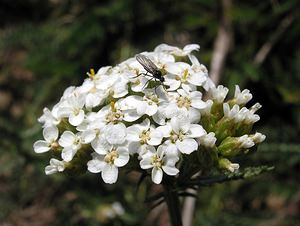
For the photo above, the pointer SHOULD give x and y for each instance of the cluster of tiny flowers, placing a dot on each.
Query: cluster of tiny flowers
(119, 114)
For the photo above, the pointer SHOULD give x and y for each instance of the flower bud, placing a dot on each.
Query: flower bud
(227, 165)
(232, 146)
(208, 140)
(219, 94)
(257, 137)
(241, 98)
(55, 166)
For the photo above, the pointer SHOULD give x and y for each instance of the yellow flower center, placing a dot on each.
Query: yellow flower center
(144, 136)
(137, 82)
(185, 75)
(54, 145)
(111, 156)
(114, 117)
(183, 102)
(77, 141)
(151, 98)
(174, 136)
(157, 162)
(76, 111)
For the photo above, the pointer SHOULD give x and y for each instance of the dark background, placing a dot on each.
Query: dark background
(48, 45)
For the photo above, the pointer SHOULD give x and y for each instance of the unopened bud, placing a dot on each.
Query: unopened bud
(258, 137)
(227, 165)
(241, 98)
(208, 140)
(232, 146)
(219, 94)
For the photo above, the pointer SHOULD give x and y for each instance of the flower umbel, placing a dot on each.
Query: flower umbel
(122, 117)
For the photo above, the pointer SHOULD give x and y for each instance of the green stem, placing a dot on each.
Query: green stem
(172, 200)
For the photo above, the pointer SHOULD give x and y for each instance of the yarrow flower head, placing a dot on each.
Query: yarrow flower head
(152, 113)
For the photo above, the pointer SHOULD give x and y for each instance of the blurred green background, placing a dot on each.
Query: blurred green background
(48, 45)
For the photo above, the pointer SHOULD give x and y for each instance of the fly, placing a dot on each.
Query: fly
(151, 68)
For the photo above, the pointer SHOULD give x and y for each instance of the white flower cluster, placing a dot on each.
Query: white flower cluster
(118, 114)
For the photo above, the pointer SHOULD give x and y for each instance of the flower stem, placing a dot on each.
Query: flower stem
(172, 200)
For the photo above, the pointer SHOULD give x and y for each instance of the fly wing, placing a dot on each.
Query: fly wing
(146, 63)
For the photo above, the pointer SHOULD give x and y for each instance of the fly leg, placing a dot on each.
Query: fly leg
(145, 74)
(147, 82)
(161, 84)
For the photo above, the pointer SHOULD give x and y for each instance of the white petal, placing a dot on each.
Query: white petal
(133, 133)
(50, 170)
(161, 150)
(138, 87)
(131, 115)
(155, 137)
(196, 131)
(180, 124)
(165, 48)
(170, 170)
(123, 158)
(133, 147)
(103, 70)
(64, 112)
(115, 134)
(75, 120)
(88, 136)
(95, 165)
(159, 117)
(197, 101)
(157, 175)
(194, 60)
(188, 87)
(141, 108)
(171, 160)
(145, 124)
(41, 146)
(130, 102)
(171, 149)
(194, 115)
(196, 79)
(67, 139)
(187, 146)
(165, 130)
(199, 104)
(101, 146)
(171, 111)
(183, 92)
(175, 68)
(109, 174)
(68, 153)
(172, 83)
(50, 133)
(120, 88)
(146, 151)
(191, 47)
(121, 92)
(86, 86)
(146, 162)
(92, 100)
(151, 109)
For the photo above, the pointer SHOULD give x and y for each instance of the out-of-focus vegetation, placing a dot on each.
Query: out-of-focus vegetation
(48, 45)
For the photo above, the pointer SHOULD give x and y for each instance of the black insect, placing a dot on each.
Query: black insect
(151, 68)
